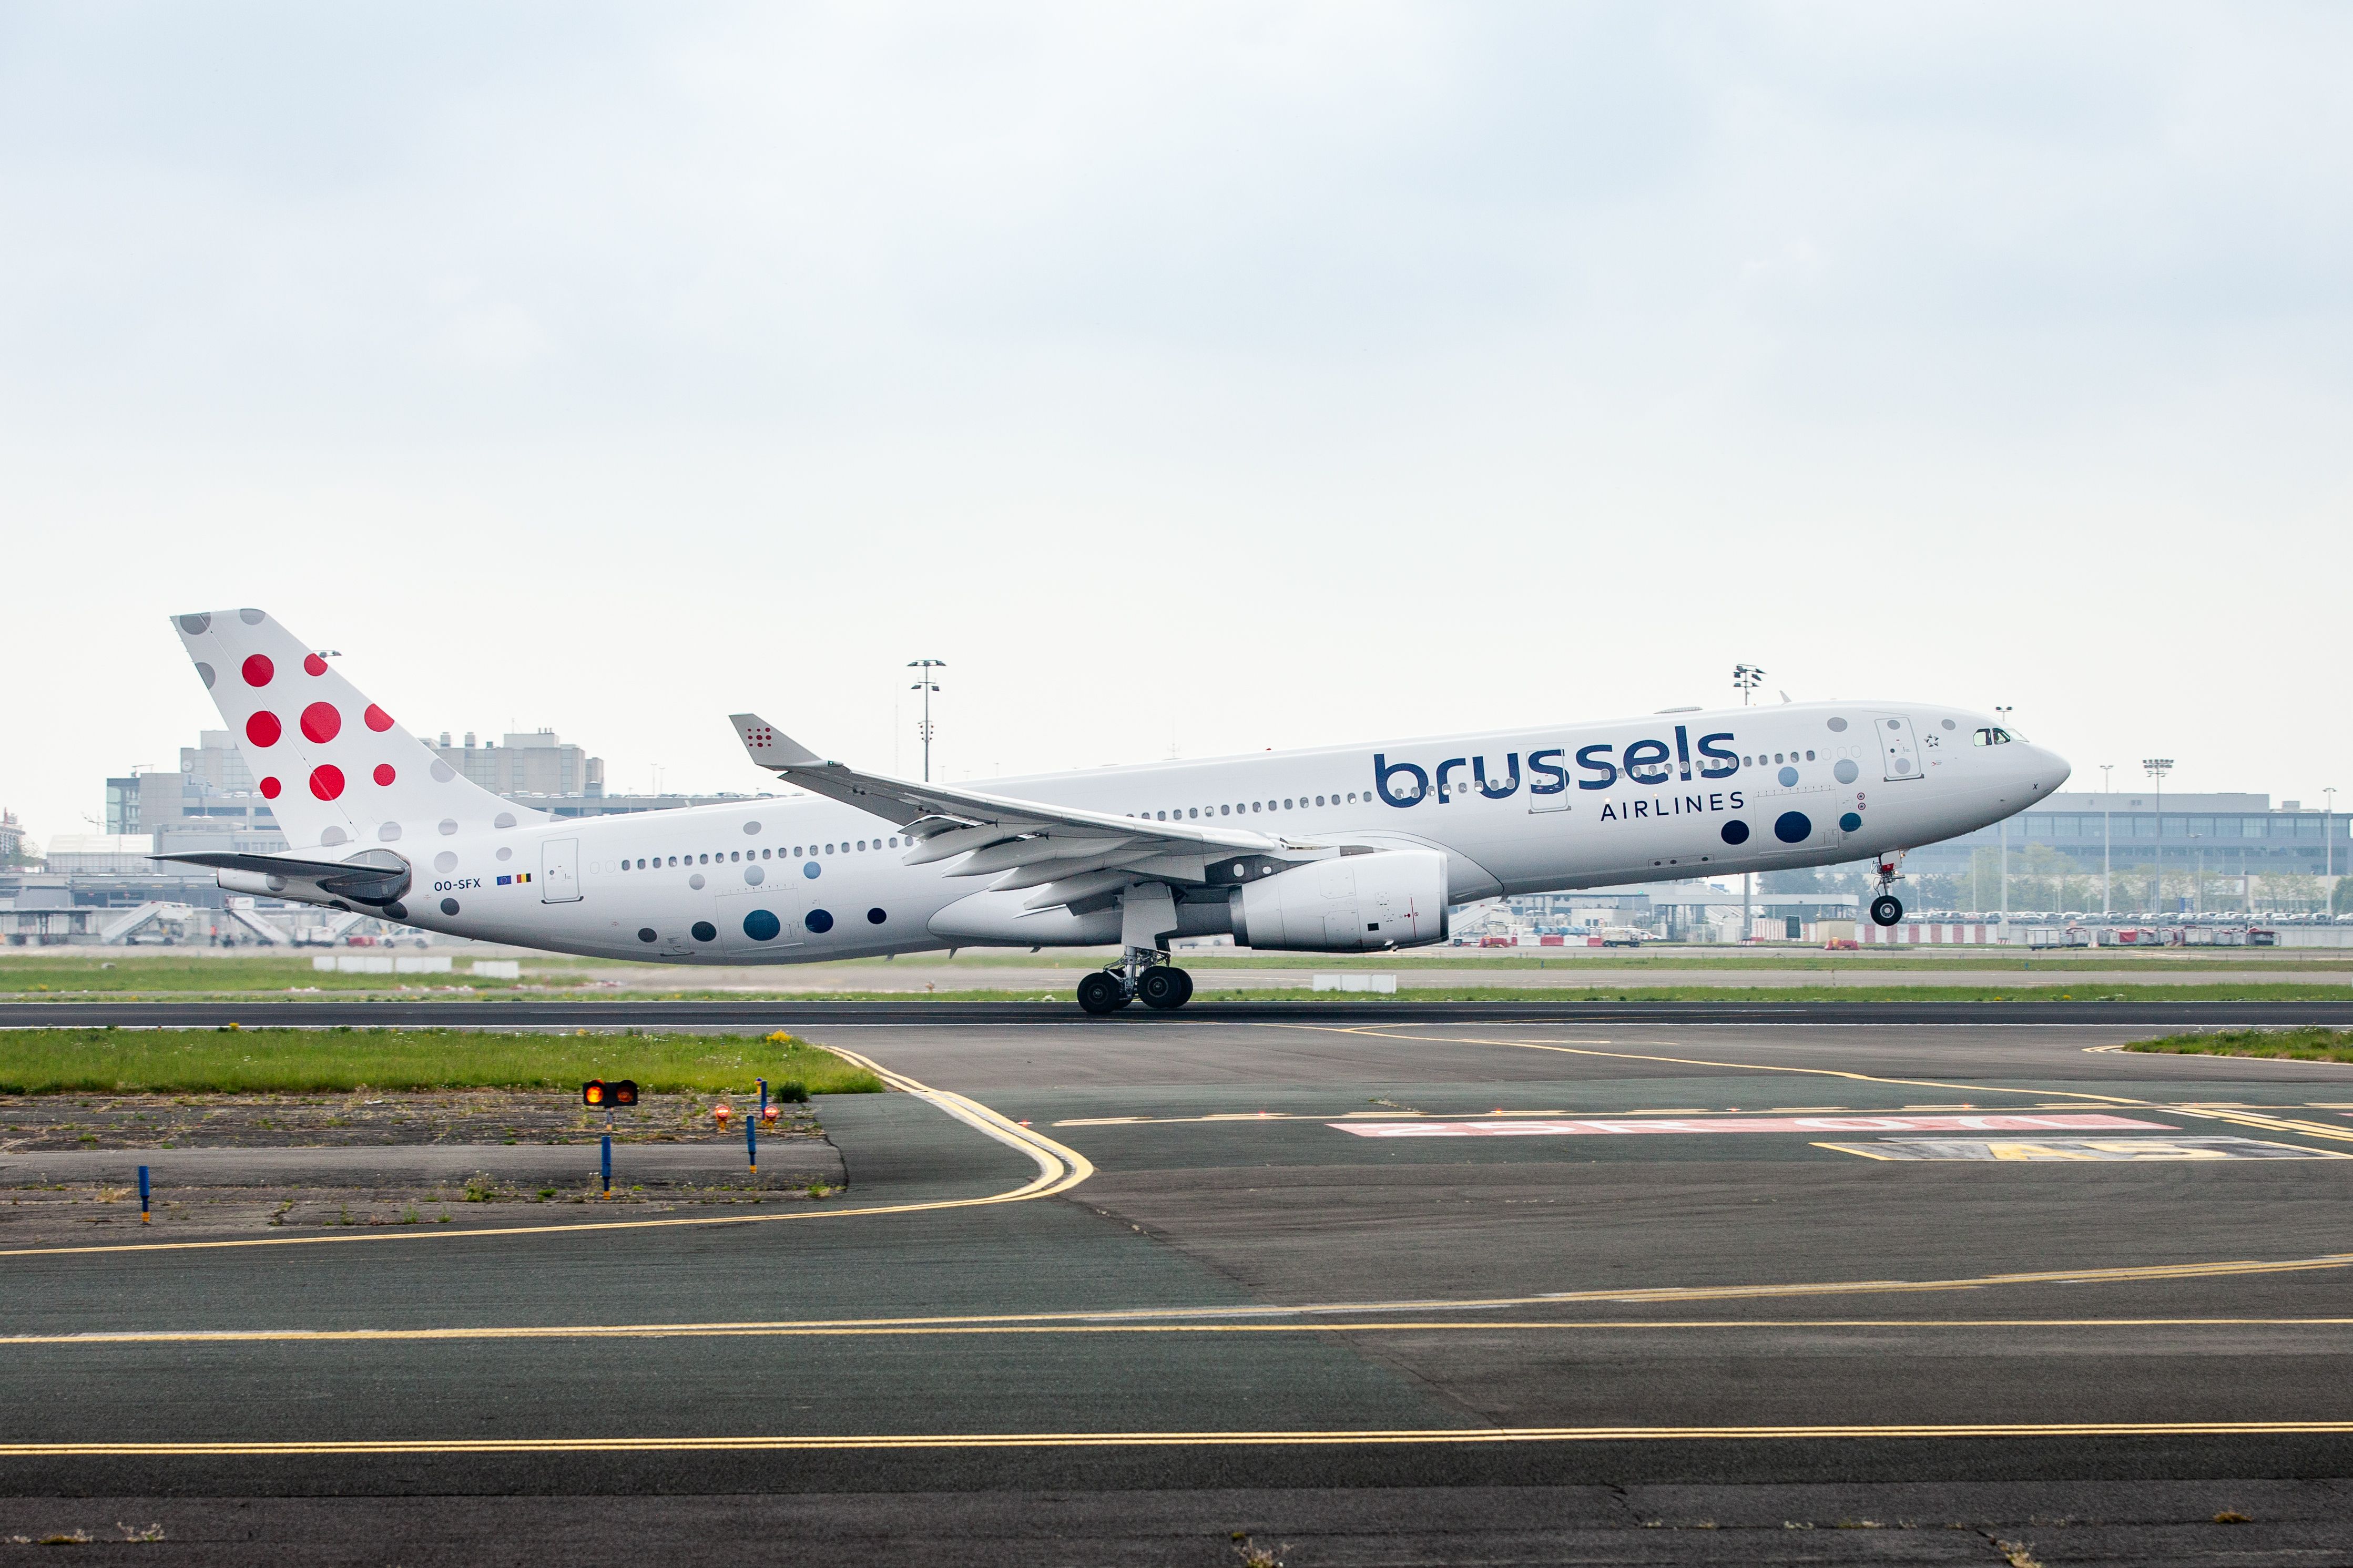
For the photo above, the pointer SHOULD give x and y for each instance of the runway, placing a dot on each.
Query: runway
(816, 1017)
(1351, 1276)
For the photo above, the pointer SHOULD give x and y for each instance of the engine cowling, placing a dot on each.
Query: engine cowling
(1356, 903)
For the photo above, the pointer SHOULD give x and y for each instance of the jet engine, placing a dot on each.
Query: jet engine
(1356, 903)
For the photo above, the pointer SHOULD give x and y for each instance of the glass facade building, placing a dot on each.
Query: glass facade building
(2219, 835)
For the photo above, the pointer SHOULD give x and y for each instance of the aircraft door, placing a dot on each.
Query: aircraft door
(559, 871)
(1897, 749)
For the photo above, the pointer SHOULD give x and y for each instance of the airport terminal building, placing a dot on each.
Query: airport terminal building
(2220, 835)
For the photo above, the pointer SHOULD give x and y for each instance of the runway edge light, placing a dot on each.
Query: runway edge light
(593, 1092)
(624, 1091)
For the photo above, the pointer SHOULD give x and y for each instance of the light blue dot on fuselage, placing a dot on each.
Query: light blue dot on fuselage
(811, 869)
(1789, 778)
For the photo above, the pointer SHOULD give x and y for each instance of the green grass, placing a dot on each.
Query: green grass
(2291, 1045)
(299, 1061)
(32, 977)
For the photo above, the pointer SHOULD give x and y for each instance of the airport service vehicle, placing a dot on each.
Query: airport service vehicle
(1335, 850)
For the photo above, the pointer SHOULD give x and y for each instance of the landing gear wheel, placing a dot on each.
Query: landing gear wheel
(1887, 909)
(1164, 987)
(1102, 992)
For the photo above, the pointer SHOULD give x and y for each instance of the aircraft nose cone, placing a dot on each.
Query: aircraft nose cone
(2051, 769)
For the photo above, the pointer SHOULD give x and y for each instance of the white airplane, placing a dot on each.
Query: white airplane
(1338, 849)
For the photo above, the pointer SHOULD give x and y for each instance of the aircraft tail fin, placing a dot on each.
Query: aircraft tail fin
(335, 768)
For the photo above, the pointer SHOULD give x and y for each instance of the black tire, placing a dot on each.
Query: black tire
(1163, 987)
(1102, 992)
(1187, 996)
(1887, 909)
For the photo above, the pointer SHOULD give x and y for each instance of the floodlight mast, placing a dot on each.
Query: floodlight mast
(2157, 768)
(926, 685)
(1744, 679)
(2002, 828)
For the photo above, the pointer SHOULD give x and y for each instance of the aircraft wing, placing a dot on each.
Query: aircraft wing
(1070, 854)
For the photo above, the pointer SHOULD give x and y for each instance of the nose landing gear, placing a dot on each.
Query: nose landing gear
(1887, 908)
(1144, 975)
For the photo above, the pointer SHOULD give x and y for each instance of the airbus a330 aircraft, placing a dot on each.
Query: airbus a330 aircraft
(1340, 850)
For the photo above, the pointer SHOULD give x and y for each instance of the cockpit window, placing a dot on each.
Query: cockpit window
(1995, 737)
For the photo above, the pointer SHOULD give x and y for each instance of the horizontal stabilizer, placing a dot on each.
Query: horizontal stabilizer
(371, 877)
(283, 865)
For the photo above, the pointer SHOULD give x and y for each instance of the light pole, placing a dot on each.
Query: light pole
(2157, 768)
(2107, 858)
(1744, 679)
(926, 685)
(2328, 829)
(2003, 829)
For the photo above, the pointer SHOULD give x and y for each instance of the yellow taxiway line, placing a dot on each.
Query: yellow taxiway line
(1316, 1317)
(1317, 1437)
(1060, 1168)
(1319, 1326)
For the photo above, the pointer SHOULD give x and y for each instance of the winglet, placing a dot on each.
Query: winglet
(769, 746)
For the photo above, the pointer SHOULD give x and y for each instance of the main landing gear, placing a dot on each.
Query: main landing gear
(1144, 975)
(1887, 908)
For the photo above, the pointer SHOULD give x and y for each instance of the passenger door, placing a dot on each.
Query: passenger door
(1897, 749)
(559, 871)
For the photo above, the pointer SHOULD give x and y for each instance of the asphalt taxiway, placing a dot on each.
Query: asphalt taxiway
(1590, 1282)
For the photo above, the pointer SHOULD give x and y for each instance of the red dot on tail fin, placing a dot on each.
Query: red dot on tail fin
(378, 718)
(314, 664)
(258, 670)
(326, 781)
(270, 788)
(384, 773)
(320, 723)
(263, 729)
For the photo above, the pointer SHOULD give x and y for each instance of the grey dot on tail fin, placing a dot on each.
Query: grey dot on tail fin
(196, 625)
(449, 826)
(333, 835)
(251, 617)
(504, 819)
(204, 672)
(388, 831)
(443, 772)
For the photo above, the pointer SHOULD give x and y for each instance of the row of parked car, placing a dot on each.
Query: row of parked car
(2134, 918)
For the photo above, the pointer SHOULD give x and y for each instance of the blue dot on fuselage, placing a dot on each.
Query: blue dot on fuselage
(1792, 828)
(1789, 778)
(1849, 823)
(819, 922)
(811, 869)
(1736, 832)
(762, 926)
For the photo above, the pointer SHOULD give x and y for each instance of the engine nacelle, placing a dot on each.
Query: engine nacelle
(1357, 903)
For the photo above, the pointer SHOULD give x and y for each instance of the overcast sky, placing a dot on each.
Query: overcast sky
(1197, 377)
